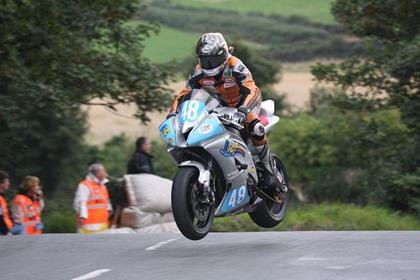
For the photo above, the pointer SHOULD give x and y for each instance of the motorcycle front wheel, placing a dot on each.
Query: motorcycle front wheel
(193, 218)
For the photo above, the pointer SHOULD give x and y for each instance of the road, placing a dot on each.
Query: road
(268, 255)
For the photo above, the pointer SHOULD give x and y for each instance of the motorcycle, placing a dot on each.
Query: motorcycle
(219, 171)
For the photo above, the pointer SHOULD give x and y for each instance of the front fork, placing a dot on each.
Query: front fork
(207, 192)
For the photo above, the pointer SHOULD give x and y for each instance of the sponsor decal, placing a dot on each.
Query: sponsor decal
(231, 149)
(163, 127)
(229, 82)
(208, 82)
(166, 131)
(236, 198)
(227, 72)
(205, 128)
(241, 68)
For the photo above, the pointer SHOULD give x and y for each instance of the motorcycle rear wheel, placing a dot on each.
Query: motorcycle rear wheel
(269, 214)
(185, 206)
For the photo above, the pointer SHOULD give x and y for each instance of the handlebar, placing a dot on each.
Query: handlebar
(229, 120)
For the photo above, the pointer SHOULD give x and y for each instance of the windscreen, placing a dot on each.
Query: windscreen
(195, 108)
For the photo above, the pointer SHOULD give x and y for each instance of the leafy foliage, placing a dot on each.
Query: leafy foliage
(387, 78)
(116, 152)
(60, 222)
(56, 55)
(347, 156)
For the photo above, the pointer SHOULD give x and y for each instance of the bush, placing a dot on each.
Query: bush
(165, 165)
(346, 156)
(60, 222)
(116, 152)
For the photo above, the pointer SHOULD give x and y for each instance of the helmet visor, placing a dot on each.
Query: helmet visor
(211, 61)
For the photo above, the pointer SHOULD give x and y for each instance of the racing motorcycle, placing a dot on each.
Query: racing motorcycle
(219, 171)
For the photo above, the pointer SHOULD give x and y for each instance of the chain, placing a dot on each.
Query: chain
(269, 197)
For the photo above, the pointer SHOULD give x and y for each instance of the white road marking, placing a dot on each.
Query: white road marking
(92, 274)
(310, 259)
(160, 244)
(339, 267)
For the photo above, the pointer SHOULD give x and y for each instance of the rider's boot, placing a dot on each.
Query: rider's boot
(273, 179)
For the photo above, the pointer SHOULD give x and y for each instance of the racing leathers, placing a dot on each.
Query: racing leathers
(236, 88)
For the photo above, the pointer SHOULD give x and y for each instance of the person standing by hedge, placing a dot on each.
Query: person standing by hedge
(27, 207)
(141, 161)
(92, 201)
(5, 222)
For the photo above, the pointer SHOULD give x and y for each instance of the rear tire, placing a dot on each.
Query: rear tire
(268, 214)
(184, 186)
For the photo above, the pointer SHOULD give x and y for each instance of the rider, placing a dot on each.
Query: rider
(230, 78)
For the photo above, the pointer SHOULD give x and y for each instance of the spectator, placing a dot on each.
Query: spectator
(27, 207)
(92, 201)
(141, 161)
(5, 221)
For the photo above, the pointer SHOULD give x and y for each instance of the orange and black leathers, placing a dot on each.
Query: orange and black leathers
(236, 88)
(5, 221)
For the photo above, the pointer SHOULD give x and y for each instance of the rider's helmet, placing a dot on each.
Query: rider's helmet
(212, 52)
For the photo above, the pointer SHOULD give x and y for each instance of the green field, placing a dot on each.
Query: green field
(301, 41)
(170, 44)
(315, 10)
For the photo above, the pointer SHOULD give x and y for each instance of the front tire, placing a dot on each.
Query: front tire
(193, 219)
(268, 214)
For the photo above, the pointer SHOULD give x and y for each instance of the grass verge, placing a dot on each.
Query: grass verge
(327, 217)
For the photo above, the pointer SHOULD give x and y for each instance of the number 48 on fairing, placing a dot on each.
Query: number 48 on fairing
(237, 197)
(191, 110)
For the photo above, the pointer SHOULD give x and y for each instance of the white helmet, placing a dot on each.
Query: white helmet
(212, 52)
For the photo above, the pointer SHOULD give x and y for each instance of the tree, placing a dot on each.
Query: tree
(388, 77)
(56, 55)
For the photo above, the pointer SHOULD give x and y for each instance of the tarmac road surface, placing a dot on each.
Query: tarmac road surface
(264, 255)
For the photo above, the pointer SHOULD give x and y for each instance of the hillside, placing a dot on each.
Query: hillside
(314, 10)
(276, 36)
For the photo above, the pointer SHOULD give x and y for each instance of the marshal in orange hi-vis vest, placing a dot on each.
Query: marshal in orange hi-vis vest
(97, 206)
(31, 213)
(5, 212)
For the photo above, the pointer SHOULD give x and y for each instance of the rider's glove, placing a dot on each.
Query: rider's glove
(170, 115)
(244, 110)
(240, 115)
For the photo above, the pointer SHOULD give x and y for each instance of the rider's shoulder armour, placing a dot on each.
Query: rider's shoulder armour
(237, 66)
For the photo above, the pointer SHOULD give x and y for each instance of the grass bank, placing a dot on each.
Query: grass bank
(327, 217)
(308, 217)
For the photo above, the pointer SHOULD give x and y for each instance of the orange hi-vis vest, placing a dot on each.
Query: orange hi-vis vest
(31, 213)
(5, 212)
(97, 206)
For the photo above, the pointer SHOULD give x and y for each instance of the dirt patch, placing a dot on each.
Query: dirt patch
(297, 87)
(104, 123)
